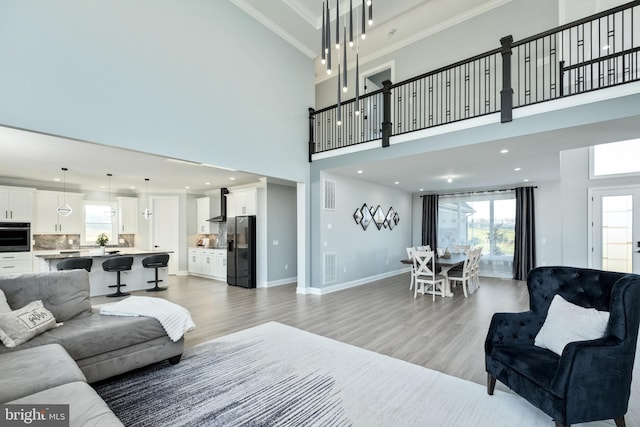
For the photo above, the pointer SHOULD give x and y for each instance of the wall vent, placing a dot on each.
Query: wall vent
(330, 268)
(329, 195)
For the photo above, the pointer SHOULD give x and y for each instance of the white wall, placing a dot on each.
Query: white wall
(176, 78)
(281, 234)
(361, 254)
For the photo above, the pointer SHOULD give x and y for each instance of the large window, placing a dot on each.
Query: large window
(485, 220)
(97, 220)
(616, 158)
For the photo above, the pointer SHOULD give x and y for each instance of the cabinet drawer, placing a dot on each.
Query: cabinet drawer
(15, 256)
(15, 267)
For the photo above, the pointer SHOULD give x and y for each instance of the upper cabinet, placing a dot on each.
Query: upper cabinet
(242, 202)
(16, 204)
(127, 215)
(203, 214)
(47, 220)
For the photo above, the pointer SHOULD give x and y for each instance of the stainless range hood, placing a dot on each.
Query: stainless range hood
(223, 207)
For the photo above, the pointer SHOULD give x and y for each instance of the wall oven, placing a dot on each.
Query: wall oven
(15, 237)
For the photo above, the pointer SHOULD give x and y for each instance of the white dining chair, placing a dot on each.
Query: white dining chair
(426, 279)
(413, 272)
(463, 276)
(475, 269)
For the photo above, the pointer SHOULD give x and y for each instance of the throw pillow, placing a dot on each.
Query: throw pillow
(4, 306)
(567, 322)
(19, 326)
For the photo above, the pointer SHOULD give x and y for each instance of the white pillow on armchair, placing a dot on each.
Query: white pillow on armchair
(567, 322)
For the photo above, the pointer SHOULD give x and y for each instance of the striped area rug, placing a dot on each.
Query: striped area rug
(276, 375)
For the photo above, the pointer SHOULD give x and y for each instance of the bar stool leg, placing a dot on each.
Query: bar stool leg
(117, 293)
(156, 288)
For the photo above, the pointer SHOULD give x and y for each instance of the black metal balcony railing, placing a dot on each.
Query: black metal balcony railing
(596, 52)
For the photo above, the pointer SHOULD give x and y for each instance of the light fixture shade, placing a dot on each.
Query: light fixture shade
(350, 23)
(328, 41)
(344, 63)
(147, 212)
(64, 210)
(324, 36)
(357, 103)
(364, 26)
(337, 24)
(370, 13)
(339, 121)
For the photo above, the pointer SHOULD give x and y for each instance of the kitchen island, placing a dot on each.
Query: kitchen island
(99, 280)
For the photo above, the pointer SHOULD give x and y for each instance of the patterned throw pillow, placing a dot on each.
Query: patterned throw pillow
(19, 326)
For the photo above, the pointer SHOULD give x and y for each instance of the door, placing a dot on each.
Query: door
(615, 234)
(164, 228)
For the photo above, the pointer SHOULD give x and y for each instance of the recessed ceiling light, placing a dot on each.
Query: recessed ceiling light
(517, 169)
(525, 180)
(422, 189)
(397, 182)
(56, 179)
(449, 180)
(360, 171)
(232, 178)
(187, 187)
(132, 188)
(504, 151)
(207, 183)
(103, 186)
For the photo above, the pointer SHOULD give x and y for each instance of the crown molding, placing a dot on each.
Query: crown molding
(311, 18)
(264, 20)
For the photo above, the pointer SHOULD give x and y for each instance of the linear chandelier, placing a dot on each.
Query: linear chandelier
(367, 5)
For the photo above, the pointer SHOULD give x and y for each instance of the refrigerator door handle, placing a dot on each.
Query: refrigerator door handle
(230, 245)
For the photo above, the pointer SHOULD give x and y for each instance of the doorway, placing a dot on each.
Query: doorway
(164, 228)
(615, 231)
(372, 106)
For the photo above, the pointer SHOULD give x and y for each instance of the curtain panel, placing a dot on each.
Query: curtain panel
(524, 255)
(430, 220)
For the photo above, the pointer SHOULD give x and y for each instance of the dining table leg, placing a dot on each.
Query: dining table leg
(444, 270)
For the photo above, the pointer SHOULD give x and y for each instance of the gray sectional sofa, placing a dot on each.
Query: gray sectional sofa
(56, 365)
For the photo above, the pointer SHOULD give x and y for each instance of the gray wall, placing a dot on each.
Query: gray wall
(180, 79)
(360, 253)
(281, 227)
(469, 38)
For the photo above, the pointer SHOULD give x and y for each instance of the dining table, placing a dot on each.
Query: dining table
(444, 264)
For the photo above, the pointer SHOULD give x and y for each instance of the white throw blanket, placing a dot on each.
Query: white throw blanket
(175, 319)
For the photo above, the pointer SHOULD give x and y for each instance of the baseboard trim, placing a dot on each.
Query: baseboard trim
(279, 282)
(352, 284)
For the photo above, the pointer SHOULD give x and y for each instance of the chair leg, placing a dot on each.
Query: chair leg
(491, 384)
(620, 422)
(465, 286)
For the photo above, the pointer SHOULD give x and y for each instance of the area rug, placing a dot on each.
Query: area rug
(277, 375)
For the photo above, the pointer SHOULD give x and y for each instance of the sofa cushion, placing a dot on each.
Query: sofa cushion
(35, 369)
(86, 408)
(536, 364)
(88, 336)
(4, 306)
(64, 293)
(19, 326)
(567, 322)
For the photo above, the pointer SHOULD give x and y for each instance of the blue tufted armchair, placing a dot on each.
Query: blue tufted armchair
(591, 380)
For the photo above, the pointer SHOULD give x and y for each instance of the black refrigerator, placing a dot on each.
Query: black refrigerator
(241, 251)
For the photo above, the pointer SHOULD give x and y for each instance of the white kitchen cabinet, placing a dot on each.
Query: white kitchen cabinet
(210, 263)
(47, 220)
(202, 215)
(127, 215)
(16, 262)
(242, 202)
(16, 204)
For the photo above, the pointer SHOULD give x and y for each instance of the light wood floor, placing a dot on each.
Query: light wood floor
(446, 335)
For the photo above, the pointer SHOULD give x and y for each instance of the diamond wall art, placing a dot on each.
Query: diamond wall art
(366, 214)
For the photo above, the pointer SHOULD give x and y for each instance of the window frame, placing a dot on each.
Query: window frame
(114, 221)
